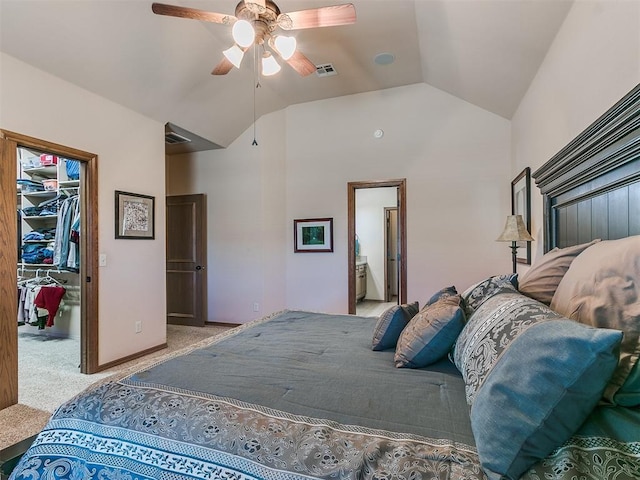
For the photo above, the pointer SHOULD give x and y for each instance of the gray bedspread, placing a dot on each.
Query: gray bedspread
(331, 374)
(297, 396)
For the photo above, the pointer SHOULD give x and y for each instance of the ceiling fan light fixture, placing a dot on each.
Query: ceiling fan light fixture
(243, 33)
(269, 65)
(234, 54)
(285, 46)
(254, 24)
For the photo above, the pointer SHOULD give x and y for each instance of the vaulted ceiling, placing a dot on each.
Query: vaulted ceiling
(485, 52)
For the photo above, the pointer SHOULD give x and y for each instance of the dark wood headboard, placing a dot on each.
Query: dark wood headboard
(591, 188)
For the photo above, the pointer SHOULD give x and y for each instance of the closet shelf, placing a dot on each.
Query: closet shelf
(41, 194)
(40, 266)
(69, 184)
(50, 171)
(42, 210)
(39, 217)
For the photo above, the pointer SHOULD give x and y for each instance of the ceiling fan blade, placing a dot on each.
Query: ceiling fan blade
(318, 17)
(223, 67)
(301, 64)
(192, 13)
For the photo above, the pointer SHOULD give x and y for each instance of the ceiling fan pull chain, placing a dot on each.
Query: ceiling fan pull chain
(257, 83)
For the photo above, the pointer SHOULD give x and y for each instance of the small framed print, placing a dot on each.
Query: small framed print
(521, 205)
(313, 235)
(135, 216)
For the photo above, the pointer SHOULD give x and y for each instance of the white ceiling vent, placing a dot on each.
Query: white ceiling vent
(172, 138)
(325, 70)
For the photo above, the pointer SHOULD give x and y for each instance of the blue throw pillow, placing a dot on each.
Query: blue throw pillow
(390, 325)
(445, 292)
(532, 377)
(431, 333)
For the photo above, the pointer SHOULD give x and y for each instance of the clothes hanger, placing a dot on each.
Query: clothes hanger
(49, 278)
(40, 280)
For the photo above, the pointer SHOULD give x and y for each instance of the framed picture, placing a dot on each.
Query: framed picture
(135, 216)
(313, 235)
(521, 205)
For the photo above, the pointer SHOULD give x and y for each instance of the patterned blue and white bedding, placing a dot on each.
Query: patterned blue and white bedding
(296, 396)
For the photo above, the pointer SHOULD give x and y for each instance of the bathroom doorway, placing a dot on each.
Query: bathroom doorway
(400, 255)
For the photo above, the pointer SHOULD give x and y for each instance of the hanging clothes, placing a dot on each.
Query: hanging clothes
(68, 217)
(28, 312)
(39, 300)
(73, 262)
(22, 297)
(49, 298)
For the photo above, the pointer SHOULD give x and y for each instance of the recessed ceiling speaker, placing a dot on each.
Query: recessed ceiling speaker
(384, 58)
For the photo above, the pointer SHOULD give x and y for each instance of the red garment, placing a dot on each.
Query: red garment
(49, 298)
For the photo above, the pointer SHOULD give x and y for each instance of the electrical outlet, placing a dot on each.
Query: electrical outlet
(138, 326)
(256, 307)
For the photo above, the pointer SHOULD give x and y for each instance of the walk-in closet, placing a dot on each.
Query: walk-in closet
(49, 297)
(49, 327)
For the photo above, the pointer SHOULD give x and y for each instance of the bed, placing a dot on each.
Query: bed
(534, 377)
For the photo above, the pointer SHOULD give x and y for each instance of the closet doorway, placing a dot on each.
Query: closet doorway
(400, 235)
(87, 285)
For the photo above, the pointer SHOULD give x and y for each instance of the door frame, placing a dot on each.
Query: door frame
(88, 246)
(401, 185)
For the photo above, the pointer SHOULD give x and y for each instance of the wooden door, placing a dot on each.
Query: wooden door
(186, 260)
(391, 253)
(8, 261)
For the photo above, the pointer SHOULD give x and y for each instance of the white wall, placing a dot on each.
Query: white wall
(455, 157)
(371, 231)
(593, 62)
(130, 151)
(246, 228)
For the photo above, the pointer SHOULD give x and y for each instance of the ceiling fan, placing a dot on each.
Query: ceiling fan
(255, 23)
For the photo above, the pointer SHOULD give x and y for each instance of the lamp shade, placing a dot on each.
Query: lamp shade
(515, 230)
(269, 65)
(286, 46)
(243, 33)
(234, 55)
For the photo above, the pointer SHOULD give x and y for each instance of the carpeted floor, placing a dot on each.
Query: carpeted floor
(45, 363)
(20, 422)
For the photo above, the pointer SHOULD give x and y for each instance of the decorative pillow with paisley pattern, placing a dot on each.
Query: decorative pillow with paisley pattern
(479, 292)
(390, 325)
(532, 377)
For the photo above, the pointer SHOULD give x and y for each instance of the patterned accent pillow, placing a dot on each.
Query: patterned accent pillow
(542, 279)
(532, 377)
(479, 292)
(390, 325)
(431, 333)
(445, 292)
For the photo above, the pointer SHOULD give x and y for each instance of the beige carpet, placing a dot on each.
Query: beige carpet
(45, 363)
(19, 422)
